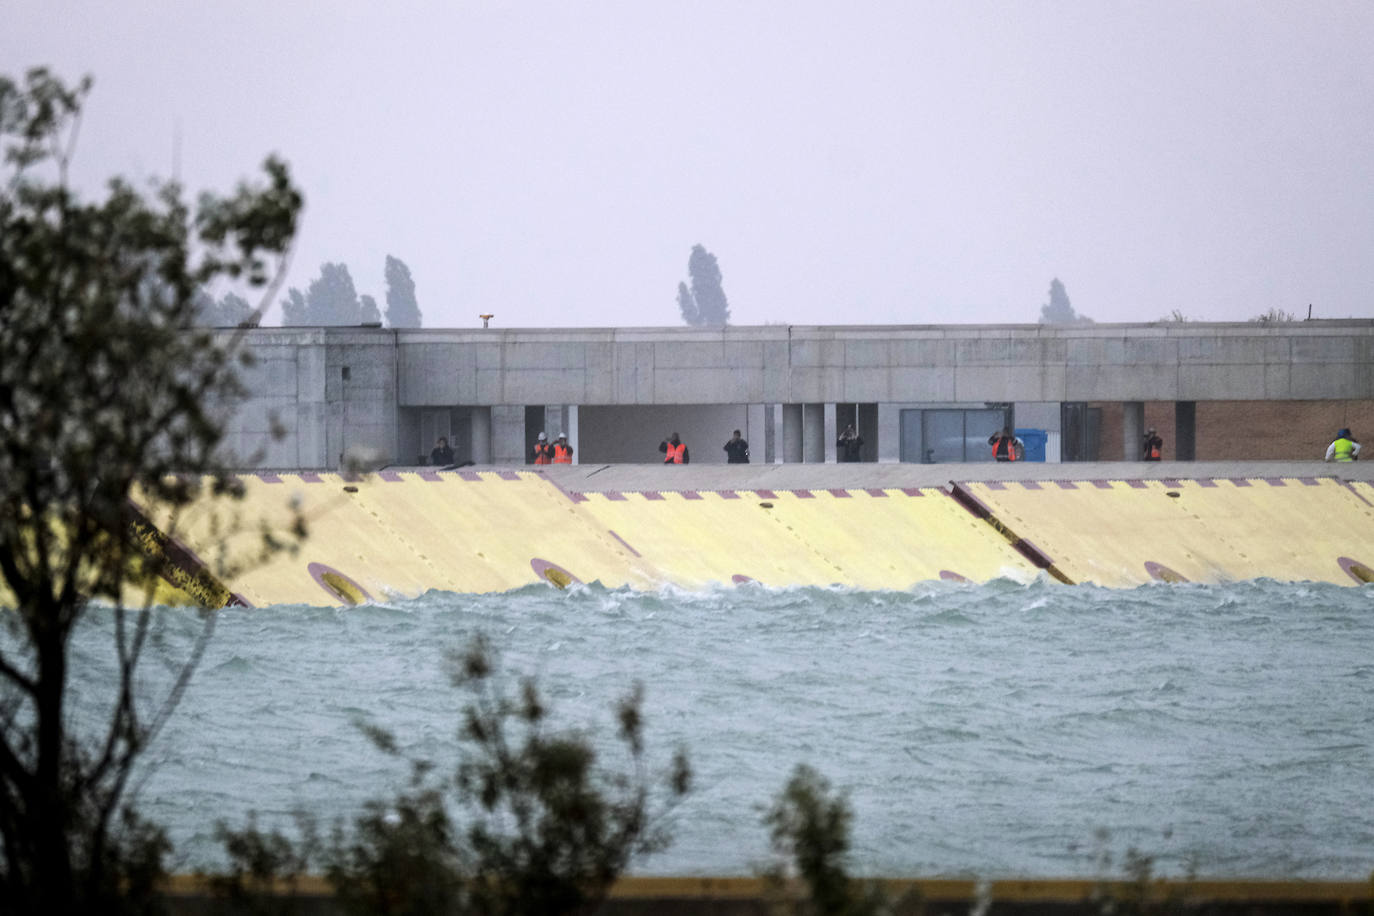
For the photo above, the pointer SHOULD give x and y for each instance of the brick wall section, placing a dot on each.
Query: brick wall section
(1267, 430)
(1159, 414)
(1248, 430)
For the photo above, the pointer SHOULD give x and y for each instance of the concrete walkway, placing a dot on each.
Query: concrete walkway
(598, 478)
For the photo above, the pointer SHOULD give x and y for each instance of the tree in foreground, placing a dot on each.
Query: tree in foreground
(705, 303)
(809, 828)
(106, 389)
(402, 309)
(529, 821)
(1059, 310)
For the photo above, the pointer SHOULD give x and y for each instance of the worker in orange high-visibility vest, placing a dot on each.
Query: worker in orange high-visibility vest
(1005, 446)
(674, 450)
(562, 451)
(543, 451)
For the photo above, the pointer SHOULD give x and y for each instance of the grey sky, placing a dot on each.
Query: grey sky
(899, 162)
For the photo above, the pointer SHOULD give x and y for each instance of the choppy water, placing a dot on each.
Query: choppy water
(993, 730)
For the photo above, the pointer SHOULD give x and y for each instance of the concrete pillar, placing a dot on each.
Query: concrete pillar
(792, 433)
(814, 433)
(481, 435)
(832, 432)
(1132, 429)
(571, 429)
(754, 432)
(507, 433)
(770, 433)
(889, 427)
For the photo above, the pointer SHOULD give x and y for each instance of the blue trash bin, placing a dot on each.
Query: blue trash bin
(1034, 440)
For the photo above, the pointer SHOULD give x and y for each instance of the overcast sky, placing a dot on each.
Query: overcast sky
(859, 162)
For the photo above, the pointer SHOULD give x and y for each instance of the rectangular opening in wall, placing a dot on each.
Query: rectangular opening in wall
(1082, 431)
(864, 419)
(631, 433)
(1185, 430)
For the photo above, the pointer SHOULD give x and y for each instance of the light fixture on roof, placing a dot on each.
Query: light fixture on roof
(485, 319)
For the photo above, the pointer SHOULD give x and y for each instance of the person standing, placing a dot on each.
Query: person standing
(674, 450)
(543, 452)
(849, 444)
(737, 450)
(1005, 446)
(1344, 448)
(562, 451)
(1154, 446)
(441, 455)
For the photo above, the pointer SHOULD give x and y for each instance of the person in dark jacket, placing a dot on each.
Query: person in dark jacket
(849, 444)
(674, 450)
(737, 450)
(1154, 446)
(441, 455)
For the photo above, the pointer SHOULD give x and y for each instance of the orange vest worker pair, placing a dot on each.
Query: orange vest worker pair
(552, 454)
(675, 453)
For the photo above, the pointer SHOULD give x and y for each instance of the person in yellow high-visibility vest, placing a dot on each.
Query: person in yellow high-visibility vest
(1345, 448)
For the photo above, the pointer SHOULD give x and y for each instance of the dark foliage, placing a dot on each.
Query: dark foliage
(705, 304)
(528, 822)
(402, 309)
(106, 390)
(1059, 310)
(809, 828)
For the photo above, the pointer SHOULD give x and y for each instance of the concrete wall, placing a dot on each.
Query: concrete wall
(299, 379)
(286, 382)
(780, 364)
(360, 388)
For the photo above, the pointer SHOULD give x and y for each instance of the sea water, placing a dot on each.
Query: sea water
(989, 730)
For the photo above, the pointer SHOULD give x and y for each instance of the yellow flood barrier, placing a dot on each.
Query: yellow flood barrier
(881, 538)
(1124, 533)
(403, 533)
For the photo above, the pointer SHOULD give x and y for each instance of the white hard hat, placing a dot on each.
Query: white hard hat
(542, 437)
